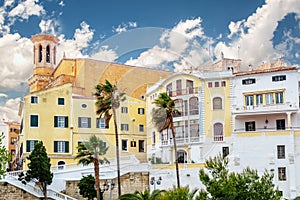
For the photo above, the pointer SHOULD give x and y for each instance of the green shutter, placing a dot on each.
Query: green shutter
(79, 122)
(66, 147)
(55, 146)
(55, 121)
(89, 122)
(97, 122)
(34, 121)
(66, 122)
(28, 146)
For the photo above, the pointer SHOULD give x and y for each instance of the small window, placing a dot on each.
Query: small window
(34, 120)
(223, 84)
(250, 126)
(34, 100)
(217, 84)
(248, 81)
(30, 145)
(141, 145)
(280, 124)
(124, 127)
(217, 103)
(225, 151)
(269, 98)
(133, 143)
(281, 173)
(249, 100)
(61, 121)
(259, 99)
(61, 165)
(13, 140)
(209, 84)
(124, 110)
(279, 97)
(141, 111)
(84, 122)
(218, 132)
(124, 145)
(61, 146)
(279, 78)
(61, 101)
(280, 151)
(141, 128)
(83, 105)
(100, 123)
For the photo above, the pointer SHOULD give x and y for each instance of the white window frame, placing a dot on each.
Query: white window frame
(34, 99)
(141, 111)
(124, 127)
(126, 148)
(249, 100)
(101, 123)
(141, 127)
(61, 121)
(61, 146)
(269, 99)
(279, 97)
(124, 109)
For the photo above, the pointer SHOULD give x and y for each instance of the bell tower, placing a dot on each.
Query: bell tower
(44, 51)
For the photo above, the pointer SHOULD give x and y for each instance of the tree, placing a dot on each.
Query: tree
(146, 195)
(89, 152)
(248, 185)
(162, 117)
(108, 100)
(182, 193)
(38, 168)
(87, 187)
(4, 156)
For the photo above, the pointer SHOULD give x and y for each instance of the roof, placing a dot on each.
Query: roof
(268, 70)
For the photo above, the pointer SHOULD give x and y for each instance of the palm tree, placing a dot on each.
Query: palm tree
(146, 195)
(182, 193)
(108, 100)
(89, 152)
(162, 117)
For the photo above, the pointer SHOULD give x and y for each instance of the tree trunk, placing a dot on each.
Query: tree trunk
(176, 157)
(97, 181)
(117, 150)
(44, 188)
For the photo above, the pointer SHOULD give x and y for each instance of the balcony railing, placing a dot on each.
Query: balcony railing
(183, 92)
(183, 140)
(265, 108)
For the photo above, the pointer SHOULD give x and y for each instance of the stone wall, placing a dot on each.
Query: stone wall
(8, 192)
(129, 183)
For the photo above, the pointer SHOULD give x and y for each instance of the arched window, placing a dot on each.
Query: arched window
(193, 106)
(40, 53)
(218, 132)
(182, 156)
(48, 54)
(217, 103)
(179, 107)
(61, 164)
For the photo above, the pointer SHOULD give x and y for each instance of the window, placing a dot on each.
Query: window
(281, 173)
(61, 165)
(269, 98)
(217, 103)
(13, 140)
(280, 151)
(100, 123)
(141, 111)
(61, 101)
(61, 146)
(218, 132)
(133, 143)
(249, 100)
(61, 121)
(194, 106)
(280, 124)
(217, 84)
(223, 84)
(178, 106)
(40, 53)
(209, 84)
(34, 120)
(30, 145)
(248, 81)
(141, 145)
(124, 110)
(48, 54)
(259, 99)
(178, 87)
(34, 99)
(279, 78)
(141, 128)
(153, 138)
(84, 122)
(124, 127)
(124, 145)
(190, 86)
(250, 126)
(279, 97)
(169, 89)
(225, 151)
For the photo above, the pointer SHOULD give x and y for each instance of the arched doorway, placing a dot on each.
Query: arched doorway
(182, 156)
(61, 164)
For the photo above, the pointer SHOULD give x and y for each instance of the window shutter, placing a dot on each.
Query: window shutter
(66, 122)
(89, 122)
(66, 147)
(97, 122)
(79, 122)
(27, 146)
(55, 146)
(55, 121)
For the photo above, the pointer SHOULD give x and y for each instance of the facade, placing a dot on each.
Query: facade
(60, 108)
(14, 130)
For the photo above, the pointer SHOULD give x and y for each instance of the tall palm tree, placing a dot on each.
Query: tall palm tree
(146, 195)
(162, 117)
(108, 100)
(182, 193)
(90, 152)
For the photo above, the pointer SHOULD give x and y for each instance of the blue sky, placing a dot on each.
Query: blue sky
(167, 34)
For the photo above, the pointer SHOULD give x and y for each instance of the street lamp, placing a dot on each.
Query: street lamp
(154, 182)
(107, 186)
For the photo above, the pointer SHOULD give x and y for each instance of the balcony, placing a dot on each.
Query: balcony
(182, 92)
(183, 141)
(267, 132)
(263, 109)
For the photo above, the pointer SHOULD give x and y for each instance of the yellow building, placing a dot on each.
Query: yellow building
(60, 108)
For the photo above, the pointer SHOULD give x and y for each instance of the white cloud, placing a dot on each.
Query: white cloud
(105, 54)
(9, 112)
(132, 24)
(62, 4)
(27, 8)
(48, 26)
(124, 27)
(8, 3)
(3, 95)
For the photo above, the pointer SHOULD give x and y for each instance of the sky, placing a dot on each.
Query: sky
(164, 34)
